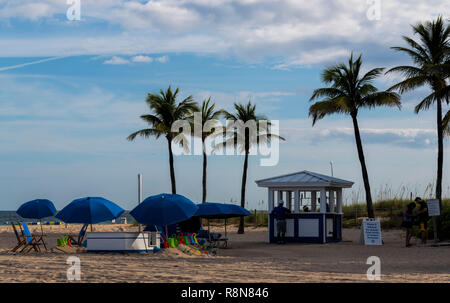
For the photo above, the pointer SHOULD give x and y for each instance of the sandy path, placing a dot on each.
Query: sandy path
(249, 259)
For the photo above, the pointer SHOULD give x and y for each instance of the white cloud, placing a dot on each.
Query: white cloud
(296, 32)
(400, 133)
(162, 59)
(32, 10)
(116, 61)
(29, 63)
(142, 59)
(314, 57)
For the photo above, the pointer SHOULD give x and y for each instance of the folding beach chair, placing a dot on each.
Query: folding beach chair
(32, 241)
(21, 241)
(81, 236)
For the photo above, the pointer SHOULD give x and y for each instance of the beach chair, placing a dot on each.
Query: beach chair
(213, 239)
(32, 241)
(80, 238)
(21, 241)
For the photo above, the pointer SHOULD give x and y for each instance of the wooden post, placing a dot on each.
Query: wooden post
(323, 201)
(297, 201)
(435, 234)
(313, 201)
(331, 203)
(289, 199)
(339, 201)
(270, 200)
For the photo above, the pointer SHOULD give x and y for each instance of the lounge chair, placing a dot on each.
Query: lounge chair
(81, 236)
(32, 241)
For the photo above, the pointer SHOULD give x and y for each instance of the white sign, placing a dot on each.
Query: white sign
(433, 208)
(371, 230)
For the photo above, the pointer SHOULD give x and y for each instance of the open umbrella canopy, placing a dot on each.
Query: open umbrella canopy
(164, 209)
(90, 210)
(37, 209)
(239, 210)
(213, 210)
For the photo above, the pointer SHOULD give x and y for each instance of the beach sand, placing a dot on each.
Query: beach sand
(248, 259)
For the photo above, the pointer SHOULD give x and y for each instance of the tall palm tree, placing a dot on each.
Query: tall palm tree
(209, 118)
(242, 139)
(431, 59)
(349, 92)
(165, 111)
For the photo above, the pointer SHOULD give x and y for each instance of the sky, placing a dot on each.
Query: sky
(71, 91)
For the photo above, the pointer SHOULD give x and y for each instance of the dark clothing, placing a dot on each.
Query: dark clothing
(407, 222)
(281, 227)
(422, 217)
(408, 217)
(280, 212)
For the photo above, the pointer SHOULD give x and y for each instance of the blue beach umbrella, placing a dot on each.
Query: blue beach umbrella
(90, 210)
(213, 210)
(238, 210)
(37, 209)
(164, 209)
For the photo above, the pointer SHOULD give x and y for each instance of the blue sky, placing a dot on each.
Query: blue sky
(72, 91)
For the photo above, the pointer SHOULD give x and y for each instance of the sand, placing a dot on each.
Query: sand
(248, 259)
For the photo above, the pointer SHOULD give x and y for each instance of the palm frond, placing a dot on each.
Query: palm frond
(389, 99)
(146, 133)
(446, 124)
(321, 109)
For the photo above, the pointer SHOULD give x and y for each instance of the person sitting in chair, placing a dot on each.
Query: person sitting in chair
(280, 213)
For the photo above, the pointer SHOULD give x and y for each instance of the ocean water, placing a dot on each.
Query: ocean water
(11, 216)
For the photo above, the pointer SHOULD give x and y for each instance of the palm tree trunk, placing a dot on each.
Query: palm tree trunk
(440, 159)
(172, 171)
(205, 164)
(244, 182)
(362, 160)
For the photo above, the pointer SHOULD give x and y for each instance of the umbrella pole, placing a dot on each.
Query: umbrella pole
(91, 227)
(225, 227)
(209, 233)
(42, 230)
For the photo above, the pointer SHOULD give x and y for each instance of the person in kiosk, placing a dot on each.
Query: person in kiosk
(280, 213)
(422, 218)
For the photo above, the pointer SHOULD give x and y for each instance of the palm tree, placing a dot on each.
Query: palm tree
(209, 118)
(242, 138)
(431, 60)
(165, 111)
(348, 93)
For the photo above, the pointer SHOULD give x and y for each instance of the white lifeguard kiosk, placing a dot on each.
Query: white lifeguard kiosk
(302, 193)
